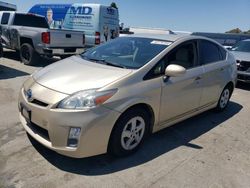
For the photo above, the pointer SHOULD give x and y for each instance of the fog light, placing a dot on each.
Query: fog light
(74, 135)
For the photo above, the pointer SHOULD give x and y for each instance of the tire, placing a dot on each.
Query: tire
(129, 132)
(28, 55)
(224, 99)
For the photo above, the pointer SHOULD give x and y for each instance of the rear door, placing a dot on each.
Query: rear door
(213, 59)
(109, 23)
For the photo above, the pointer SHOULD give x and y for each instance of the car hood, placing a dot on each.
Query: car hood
(242, 56)
(76, 74)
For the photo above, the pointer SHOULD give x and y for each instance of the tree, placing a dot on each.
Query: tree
(113, 4)
(237, 30)
(247, 32)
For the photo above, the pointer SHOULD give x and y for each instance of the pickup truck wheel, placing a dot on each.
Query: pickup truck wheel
(28, 55)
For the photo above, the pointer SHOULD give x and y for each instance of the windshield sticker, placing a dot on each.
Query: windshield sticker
(161, 42)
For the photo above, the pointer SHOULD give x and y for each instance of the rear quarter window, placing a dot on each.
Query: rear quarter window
(30, 21)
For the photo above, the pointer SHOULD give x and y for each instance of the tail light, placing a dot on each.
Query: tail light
(97, 38)
(83, 39)
(46, 37)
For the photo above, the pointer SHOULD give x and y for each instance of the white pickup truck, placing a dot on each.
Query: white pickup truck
(30, 35)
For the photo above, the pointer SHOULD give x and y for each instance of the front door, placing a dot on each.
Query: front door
(181, 95)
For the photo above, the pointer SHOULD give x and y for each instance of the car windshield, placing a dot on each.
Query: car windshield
(126, 52)
(242, 46)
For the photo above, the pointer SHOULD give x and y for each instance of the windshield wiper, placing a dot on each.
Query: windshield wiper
(105, 62)
(92, 59)
(114, 64)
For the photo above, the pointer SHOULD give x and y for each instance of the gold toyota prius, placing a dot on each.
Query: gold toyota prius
(110, 98)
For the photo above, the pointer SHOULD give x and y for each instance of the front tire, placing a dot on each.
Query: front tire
(224, 99)
(28, 55)
(129, 132)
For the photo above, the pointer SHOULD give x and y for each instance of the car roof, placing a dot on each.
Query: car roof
(21, 13)
(167, 37)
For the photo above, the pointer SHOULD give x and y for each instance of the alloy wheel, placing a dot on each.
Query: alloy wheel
(132, 133)
(224, 98)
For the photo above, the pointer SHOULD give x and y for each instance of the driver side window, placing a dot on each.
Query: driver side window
(184, 55)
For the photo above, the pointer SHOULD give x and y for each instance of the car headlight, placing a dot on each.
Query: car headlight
(86, 99)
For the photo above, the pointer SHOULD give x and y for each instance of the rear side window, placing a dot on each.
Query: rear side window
(30, 21)
(223, 53)
(5, 18)
(209, 52)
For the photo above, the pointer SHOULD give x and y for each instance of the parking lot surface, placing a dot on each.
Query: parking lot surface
(209, 150)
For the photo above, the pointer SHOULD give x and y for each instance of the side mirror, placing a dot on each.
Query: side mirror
(174, 70)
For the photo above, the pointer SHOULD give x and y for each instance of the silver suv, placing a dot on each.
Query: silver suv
(241, 51)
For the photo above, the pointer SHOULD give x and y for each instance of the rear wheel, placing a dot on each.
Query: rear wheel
(28, 55)
(129, 132)
(224, 99)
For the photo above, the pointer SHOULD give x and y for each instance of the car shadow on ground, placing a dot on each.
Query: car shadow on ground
(243, 85)
(16, 57)
(11, 55)
(158, 144)
(7, 72)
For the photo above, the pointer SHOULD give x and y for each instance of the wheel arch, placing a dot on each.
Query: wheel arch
(143, 106)
(24, 40)
(231, 86)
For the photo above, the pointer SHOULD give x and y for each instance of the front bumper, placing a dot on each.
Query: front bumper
(51, 126)
(244, 76)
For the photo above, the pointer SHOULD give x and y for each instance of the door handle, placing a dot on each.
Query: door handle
(197, 78)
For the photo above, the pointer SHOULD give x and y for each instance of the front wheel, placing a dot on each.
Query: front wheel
(224, 99)
(129, 132)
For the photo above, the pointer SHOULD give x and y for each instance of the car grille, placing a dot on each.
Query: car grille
(39, 130)
(39, 103)
(35, 101)
(244, 77)
(243, 65)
